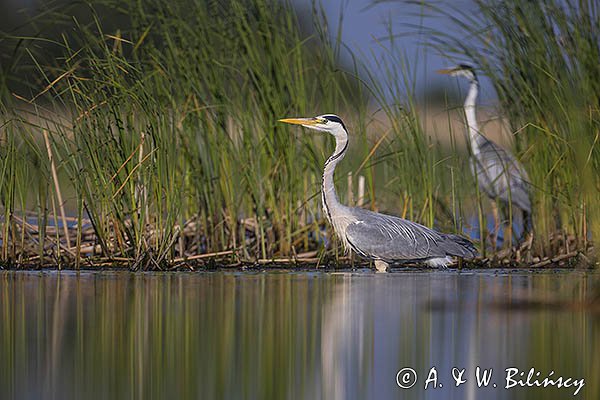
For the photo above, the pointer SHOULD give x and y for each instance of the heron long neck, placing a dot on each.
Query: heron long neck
(471, 117)
(331, 204)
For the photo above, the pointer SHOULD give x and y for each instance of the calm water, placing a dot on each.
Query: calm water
(292, 335)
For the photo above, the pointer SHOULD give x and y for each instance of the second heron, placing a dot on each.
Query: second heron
(497, 171)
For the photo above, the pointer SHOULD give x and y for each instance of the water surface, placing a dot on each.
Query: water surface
(302, 335)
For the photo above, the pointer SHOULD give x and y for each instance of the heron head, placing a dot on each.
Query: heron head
(326, 123)
(463, 70)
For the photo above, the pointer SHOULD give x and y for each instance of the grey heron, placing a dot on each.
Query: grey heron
(380, 237)
(497, 171)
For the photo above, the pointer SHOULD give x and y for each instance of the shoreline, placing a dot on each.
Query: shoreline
(575, 260)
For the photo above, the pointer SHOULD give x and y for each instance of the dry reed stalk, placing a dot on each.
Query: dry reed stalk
(61, 205)
(555, 259)
(141, 193)
(350, 192)
(201, 256)
(361, 191)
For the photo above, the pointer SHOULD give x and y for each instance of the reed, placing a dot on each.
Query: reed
(166, 131)
(163, 142)
(419, 176)
(542, 58)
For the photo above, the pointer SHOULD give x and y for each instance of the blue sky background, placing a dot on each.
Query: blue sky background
(366, 29)
(364, 32)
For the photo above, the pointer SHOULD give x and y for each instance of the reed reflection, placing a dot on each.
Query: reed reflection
(289, 335)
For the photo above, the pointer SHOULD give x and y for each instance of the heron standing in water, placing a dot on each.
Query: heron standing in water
(380, 237)
(497, 171)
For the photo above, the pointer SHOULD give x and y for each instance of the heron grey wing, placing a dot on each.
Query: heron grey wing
(391, 238)
(483, 165)
(518, 191)
(504, 159)
(480, 173)
(496, 169)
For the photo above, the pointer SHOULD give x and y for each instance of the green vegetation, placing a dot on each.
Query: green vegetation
(162, 129)
(170, 126)
(544, 61)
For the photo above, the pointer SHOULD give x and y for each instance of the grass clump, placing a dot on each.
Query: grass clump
(166, 129)
(162, 134)
(542, 58)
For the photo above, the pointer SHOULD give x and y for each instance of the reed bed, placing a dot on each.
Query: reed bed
(151, 141)
(166, 127)
(543, 61)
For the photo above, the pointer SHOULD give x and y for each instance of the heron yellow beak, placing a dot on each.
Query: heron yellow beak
(300, 121)
(445, 71)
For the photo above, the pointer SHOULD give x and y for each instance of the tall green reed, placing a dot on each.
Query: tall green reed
(422, 180)
(172, 125)
(542, 58)
(164, 122)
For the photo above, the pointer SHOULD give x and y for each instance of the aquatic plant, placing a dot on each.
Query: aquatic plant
(145, 133)
(542, 58)
(165, 129)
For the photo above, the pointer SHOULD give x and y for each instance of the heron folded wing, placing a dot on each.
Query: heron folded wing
(391, 238)
(493, 166)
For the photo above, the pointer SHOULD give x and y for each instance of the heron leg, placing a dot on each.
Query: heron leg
(494, 236)
(381, 266)
(508, 233)
(526, 238)
(528, 241)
